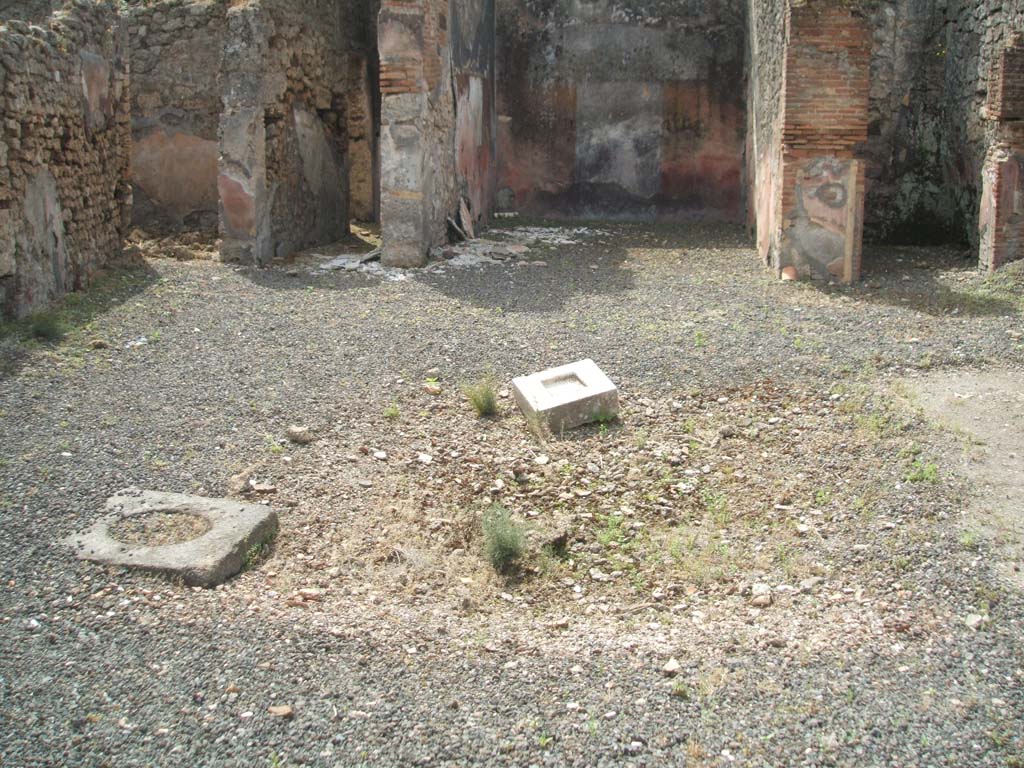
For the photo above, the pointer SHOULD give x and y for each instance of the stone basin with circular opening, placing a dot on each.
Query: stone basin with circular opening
(199, 540)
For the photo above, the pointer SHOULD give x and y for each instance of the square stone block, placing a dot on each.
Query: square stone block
(201, 541)
(568, 396)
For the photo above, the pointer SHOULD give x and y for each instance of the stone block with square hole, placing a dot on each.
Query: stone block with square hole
(199, 540)
(568, 396)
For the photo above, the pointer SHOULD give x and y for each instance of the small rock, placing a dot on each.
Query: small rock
(789, 273)
(98, 344)
(299, 435)
(311, 595)
(258, 487)
(424, 458)
(762, 596)
(380, 455)
(672, 667)
(432, 389)
(975, 621)
(542, 459)
(810, 583)
(282, 710)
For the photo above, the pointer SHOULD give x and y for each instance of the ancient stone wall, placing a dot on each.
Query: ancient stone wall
(436, 120)
(631, 109)
(976, 32)
(932, 62)
(306, 124)
(810, 121)
(64, 144)
(908, 199)
(176, 49)
(34, 11)
(283, 181)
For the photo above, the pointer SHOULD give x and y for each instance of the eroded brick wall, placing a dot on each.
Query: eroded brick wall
(435, 142)
(810, 121)
(1001, 219)
(824, 123)
(614, 109)
(176, 49)
(64, 152)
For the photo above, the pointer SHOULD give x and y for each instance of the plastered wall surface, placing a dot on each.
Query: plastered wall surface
(616, 109)
(176, 49)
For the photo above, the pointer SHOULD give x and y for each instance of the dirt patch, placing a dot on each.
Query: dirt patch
(985, 409)
(156, 529)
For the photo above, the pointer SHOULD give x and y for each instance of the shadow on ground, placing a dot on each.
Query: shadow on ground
(70, 318)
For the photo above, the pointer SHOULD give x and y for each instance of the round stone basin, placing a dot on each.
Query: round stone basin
(159, 528)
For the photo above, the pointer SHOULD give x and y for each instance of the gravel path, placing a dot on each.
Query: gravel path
(109, 668)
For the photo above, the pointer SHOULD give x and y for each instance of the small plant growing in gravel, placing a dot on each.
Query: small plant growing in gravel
(922, 472)
(504, 541)
(483, 396)
(717, 504)
(47, 326)
(681, 690)
(700, 339)
(969, 540)
(392, 412)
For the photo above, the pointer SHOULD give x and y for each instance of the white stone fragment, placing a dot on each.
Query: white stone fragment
(568, 396)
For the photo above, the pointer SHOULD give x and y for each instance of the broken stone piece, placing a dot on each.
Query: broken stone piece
(232, 530)
(300, 435)
(568, 396)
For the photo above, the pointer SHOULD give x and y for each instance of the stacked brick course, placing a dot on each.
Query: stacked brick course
(1001, 220)
(64, 144)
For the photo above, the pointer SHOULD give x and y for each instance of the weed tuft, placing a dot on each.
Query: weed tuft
(47, 326)
(504, 541)
(483, 396)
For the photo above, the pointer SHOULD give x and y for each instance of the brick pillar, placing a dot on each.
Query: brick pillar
(826, 77)
(1001, 219)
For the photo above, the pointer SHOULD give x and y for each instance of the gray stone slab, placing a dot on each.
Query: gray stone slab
(216, 555)
(568, 396)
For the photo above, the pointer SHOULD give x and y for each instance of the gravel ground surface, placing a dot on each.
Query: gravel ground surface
(772, 517)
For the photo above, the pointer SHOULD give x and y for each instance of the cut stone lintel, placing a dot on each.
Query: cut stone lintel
(568, 396)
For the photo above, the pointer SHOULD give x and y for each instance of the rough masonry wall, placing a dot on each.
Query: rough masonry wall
(34, 11)
(282, 177)
(176, 48)
(64, 143)
(306, 124)
(929, 137)
(612, 108)
(432, 116)
(976, 33)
